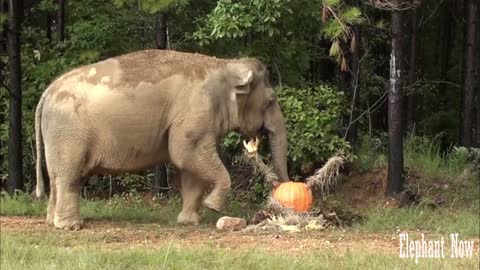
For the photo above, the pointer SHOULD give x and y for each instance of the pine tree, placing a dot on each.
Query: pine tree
(395, 105)
(471, 30)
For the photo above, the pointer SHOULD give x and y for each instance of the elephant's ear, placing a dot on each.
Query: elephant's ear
(241, 76)
(243, 84)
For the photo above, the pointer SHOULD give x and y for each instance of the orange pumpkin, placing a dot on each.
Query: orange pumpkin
(295, 195)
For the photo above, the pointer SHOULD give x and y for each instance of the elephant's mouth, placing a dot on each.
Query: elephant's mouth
(252, 134)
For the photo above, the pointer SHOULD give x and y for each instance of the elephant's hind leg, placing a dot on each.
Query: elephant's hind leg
(67, 210)
(192, 191)
(70, 167)
(52, 201)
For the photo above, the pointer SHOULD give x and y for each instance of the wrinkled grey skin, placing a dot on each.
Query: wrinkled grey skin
(137, 110)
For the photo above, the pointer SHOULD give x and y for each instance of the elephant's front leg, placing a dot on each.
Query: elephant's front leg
(209, 167)
(192, 191)
(201, 160)
(220, 179)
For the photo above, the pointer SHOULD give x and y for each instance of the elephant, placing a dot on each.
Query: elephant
(131, 112)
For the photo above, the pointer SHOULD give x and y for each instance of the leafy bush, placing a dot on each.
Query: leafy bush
(461, 157)
(312, 118)
(370, 154)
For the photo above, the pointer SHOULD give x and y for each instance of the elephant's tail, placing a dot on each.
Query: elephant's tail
(40, 190)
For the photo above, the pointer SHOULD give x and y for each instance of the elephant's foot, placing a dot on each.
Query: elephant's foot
(50, 220)
(214, 203)
(69, 224)
(188, 218)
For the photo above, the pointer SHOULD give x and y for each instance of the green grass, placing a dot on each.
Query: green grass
(133, 209)
(22, 252)
(425, 156)
(420, 153)
(442, 221)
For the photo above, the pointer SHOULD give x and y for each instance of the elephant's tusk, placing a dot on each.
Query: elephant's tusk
(251, 146)
(245, 145)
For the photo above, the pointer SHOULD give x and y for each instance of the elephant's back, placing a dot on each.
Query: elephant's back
(151, 66)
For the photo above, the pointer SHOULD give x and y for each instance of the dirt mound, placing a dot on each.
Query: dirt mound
(360, 189)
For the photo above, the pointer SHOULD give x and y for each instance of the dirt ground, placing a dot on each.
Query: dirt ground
(115, 235)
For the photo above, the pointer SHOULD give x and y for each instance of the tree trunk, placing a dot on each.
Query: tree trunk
(160, 176)
(395, 107)
(477, 129)
(354, 87)
(48, 21)
(161, 31)
(61, 20)
(445, 49)
(469, 72)
(477, 85)
(412, 69)
(15, 169)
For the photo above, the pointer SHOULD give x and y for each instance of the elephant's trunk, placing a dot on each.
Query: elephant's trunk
(277, 134)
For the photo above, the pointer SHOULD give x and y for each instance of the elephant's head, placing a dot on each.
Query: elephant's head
(257, 108)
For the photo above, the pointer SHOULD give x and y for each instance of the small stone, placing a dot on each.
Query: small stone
(231, 223)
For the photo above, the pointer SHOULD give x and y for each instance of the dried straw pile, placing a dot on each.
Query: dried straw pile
(275, 217)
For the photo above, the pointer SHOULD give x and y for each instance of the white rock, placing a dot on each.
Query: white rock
(231, 223)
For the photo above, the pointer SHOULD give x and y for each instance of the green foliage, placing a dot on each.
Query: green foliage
(150, 6)
(312, 119)
(370, 154)
(425, 155)
(421, 154)
(332, 3)
(351, 16)
(47, 6)
(337, 18)
(233, 19)
(232, 143)
(277, 32)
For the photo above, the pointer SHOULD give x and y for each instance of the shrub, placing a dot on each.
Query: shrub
(312, 116)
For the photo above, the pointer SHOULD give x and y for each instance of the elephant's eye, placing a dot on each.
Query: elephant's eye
(270, 102)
